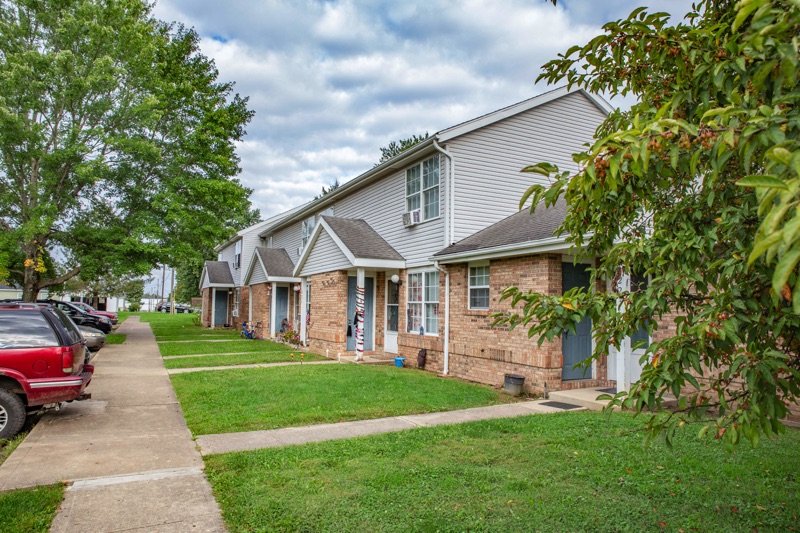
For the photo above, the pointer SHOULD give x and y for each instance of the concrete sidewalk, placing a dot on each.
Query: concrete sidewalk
(127, 452)
(274, 438)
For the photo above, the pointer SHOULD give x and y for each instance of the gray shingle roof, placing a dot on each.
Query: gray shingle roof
(363, 241)
(276, 261)
(521, 227)
(219, 272)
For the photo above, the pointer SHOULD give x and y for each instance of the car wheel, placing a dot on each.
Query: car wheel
(163, 309)
(12, 414)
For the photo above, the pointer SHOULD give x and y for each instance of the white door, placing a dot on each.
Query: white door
(392, 316)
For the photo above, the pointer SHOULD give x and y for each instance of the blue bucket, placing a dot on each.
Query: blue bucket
(398, 361)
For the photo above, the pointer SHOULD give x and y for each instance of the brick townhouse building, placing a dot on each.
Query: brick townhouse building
(414, 254)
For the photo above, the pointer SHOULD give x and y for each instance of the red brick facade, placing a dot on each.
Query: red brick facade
(261, 295)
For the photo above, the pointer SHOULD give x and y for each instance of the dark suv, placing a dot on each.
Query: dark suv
(42, 362)
(78, 315)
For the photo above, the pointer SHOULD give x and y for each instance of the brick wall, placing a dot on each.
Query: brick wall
(327, 327)
(409, 343)
(261, 295)
(207, 308)
(482, 353)
(244, 305)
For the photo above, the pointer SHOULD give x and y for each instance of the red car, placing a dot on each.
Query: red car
(42, 362)
(92, 311)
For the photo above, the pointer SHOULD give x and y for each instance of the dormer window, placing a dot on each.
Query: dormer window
(237, 257)
(422, 188)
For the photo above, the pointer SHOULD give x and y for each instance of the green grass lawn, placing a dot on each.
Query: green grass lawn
(563, 472)
(239, 359)
(199, 347)
(29, 510)
(115, 338)
(268, 398)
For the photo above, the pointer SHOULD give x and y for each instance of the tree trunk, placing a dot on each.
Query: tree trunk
(31, 278)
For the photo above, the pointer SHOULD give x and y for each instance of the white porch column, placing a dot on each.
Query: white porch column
(272, 303)
(359, 325)
(213, 304)
(624, 353)
(303, 303)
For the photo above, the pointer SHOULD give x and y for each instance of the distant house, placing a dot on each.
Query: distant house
(414, 253)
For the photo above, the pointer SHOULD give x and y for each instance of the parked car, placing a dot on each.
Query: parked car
(164, 307)
(81, 317)
(91, 310)
(43, 362)
(95, 339)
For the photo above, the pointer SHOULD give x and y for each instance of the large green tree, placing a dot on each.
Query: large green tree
(696, 187)
(116, 142)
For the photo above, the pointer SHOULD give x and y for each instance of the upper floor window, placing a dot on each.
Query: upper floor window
(479, 287)
(422, 188)
(308, 229)
(423, 303)
(237, 255)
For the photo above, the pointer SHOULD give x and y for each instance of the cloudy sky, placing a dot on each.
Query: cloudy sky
(332, 81)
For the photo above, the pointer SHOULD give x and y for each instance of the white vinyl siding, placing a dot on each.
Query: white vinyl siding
(325, 256)
(422, 302)
(479, 287)
(382, 205)
(289, 238)
(258, 275)
(489, 184)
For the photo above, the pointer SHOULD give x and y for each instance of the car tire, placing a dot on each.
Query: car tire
(12, 414)
(163, 309)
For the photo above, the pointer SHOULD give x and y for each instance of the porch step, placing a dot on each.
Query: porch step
(583, 397)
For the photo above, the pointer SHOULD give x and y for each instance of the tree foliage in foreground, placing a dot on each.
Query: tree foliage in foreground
(117, 142)
(696, 187)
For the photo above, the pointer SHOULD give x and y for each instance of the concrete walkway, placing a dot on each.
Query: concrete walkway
(252, 365)
(274, 438)
(127, 452)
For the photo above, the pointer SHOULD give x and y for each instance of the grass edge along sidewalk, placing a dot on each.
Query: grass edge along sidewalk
(557, 472)
(252, 399)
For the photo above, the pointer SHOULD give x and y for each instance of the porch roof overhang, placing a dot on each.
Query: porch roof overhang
(391, 260)
(271, 260)
(216, 274)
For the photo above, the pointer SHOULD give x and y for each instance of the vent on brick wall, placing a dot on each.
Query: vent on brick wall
(499, 355)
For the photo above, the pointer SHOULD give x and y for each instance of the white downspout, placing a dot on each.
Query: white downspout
(449, 212)
(213, 305)
(446, 365)
(249, 303)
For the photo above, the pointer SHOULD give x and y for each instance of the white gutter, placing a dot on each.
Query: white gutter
(449, 213)
(446, 347)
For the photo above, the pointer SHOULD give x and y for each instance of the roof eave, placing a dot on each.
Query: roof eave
(551, 244)
(375, 173)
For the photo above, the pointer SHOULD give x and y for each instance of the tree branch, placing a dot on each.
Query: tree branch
(60, 279)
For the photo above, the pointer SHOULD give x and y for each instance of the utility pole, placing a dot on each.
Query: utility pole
(172, 309)
(163, 280)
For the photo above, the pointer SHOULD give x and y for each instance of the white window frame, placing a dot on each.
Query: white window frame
(237, 255)
(471, 287)
(428, 316)
(308, 229)
(416, 198)
(237, 295)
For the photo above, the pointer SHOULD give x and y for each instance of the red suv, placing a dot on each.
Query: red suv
(42, 362)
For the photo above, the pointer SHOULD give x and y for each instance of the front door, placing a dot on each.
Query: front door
(576, 347)
(221, 307)
(369, 313)
(392, 316)
(281, 306)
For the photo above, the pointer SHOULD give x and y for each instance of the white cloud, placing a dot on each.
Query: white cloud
(333, 81)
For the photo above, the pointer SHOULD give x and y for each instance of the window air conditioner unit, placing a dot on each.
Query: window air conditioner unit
(412, 218)
(299, 251)
(235, 313)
